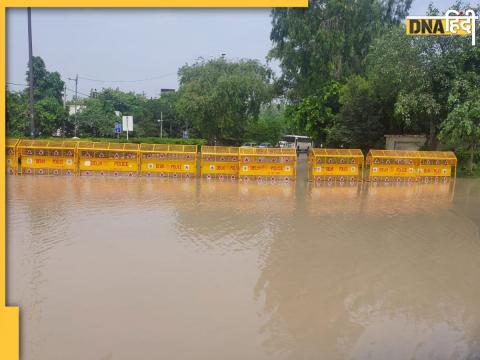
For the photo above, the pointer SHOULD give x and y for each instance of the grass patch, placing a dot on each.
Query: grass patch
(464, 173)
(132, 140)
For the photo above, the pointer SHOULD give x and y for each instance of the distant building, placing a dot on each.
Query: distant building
(164, 91)
(405, 142)
(71, 109)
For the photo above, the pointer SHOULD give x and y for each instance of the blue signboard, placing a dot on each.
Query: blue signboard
(118, 128)
(185, 135)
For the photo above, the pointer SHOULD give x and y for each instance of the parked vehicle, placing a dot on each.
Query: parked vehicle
(265, 145)
(249, 144)
(299, 142)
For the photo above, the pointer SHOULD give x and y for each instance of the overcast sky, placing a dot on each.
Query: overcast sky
(135, 44)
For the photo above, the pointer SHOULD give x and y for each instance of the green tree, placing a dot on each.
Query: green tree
(217, 99)
(328, 40)
(97, 118)
(17, 119)
(49, 115)
(358, 124)
(419, 110)
(157, 108)
(394, 65)
(412, 77)
(314, 115)
(48, 98)
(462, 126)
(270, 126)
(45, 84)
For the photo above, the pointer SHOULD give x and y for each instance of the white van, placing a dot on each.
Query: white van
(299, 142)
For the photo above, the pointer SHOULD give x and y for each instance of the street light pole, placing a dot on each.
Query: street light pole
(30, 69)
(161, 125)
(75, 104)
(65, 107)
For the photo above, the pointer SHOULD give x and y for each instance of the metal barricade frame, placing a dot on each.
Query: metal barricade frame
(335, 165)
(168, 160)
(219, 162)
(47, 157)
(405, 165)
(435, 166)
(104, 158)
(11, 156)
(267, 164)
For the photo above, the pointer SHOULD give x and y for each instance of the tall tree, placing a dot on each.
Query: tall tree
(358, 124)
(17, 120)
(328, 40)
(314, 115)
(462, 126)
(48, 90)
(415, 75)
(394, 65)
(45, 84)
(97, 118)
(218, 98)
(270, 127)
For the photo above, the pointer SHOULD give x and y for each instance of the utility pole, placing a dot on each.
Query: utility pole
(65, 107)
(75, 104)
(161, 124)
(76, 97)
(30, 74)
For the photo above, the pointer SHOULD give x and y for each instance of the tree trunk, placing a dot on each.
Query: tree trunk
(432, 137)
(473, 147)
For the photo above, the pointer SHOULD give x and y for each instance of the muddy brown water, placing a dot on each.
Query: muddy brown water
(153, 269)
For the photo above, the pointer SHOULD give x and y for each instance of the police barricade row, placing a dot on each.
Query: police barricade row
(219, 162)
(42, 157)
(335, 165)
(45, 157)
(406, 166)
(267, 164)
(11, 156)
(162, 160)
(113, 159)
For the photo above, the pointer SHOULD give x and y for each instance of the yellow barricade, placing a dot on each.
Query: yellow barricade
(267, 164)
(101, 158)
(335, 165)
(393, 165)
(219, 162)
(399, 165)
(168, 160)
(436, 166)
(11, 156)
(46, 157)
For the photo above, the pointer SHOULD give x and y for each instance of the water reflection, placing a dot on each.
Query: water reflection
(233, 215)
(325, 198)
(245, 270)
(348, 285)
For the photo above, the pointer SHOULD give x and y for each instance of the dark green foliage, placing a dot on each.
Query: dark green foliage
(219, 99)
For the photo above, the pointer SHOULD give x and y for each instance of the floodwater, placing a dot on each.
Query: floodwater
(161, 269)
